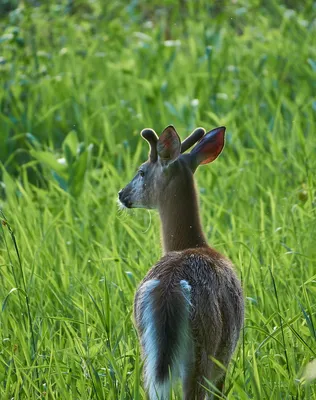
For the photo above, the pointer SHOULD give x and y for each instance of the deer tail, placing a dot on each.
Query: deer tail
(164, 319)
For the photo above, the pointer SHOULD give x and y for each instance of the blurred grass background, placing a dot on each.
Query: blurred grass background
(79, 80)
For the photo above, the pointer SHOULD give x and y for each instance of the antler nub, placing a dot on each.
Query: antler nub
(195, 136)
(152, 138)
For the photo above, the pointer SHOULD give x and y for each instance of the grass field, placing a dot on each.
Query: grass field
(79, 80)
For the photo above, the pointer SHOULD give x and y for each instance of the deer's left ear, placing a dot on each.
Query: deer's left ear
(169, 144)
(208, 148)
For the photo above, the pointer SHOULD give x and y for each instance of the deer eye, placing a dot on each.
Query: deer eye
(141, 173)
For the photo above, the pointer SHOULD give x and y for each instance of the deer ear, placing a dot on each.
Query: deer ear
(209, 147)
(169, 144)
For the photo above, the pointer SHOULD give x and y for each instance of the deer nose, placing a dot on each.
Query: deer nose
(120, 193)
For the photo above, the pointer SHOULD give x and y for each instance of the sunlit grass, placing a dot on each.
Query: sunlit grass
(66, 325)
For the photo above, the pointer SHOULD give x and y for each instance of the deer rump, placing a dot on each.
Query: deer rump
(187, 310)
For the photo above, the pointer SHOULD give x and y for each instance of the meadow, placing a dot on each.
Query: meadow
(79, 81)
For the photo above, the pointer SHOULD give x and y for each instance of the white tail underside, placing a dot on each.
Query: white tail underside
(158, 390)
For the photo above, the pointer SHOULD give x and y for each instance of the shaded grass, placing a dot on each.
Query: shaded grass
(81, 259)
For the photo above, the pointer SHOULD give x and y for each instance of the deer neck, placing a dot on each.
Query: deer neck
(180, 219)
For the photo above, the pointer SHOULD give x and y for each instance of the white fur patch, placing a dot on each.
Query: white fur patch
(120, 205)
(186, 290)
(161, 391)
(149, 340)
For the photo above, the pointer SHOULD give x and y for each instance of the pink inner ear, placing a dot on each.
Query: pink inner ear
(168, 141)
(169, 144)
(210, 146)
(210, 151)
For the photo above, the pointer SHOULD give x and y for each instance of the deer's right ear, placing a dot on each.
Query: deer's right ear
(169, 144)
(208, 148)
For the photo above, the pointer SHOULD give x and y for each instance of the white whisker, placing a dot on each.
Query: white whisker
(149, 225)
(120, 205)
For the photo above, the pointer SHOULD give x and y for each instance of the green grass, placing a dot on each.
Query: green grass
(102, 72)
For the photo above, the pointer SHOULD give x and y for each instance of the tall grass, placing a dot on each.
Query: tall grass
(70, 261)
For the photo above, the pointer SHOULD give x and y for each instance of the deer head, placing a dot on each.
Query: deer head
(168, 167)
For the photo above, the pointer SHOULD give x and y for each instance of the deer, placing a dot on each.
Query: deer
(189, 308)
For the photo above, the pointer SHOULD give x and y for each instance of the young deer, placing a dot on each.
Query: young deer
(189, 308)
